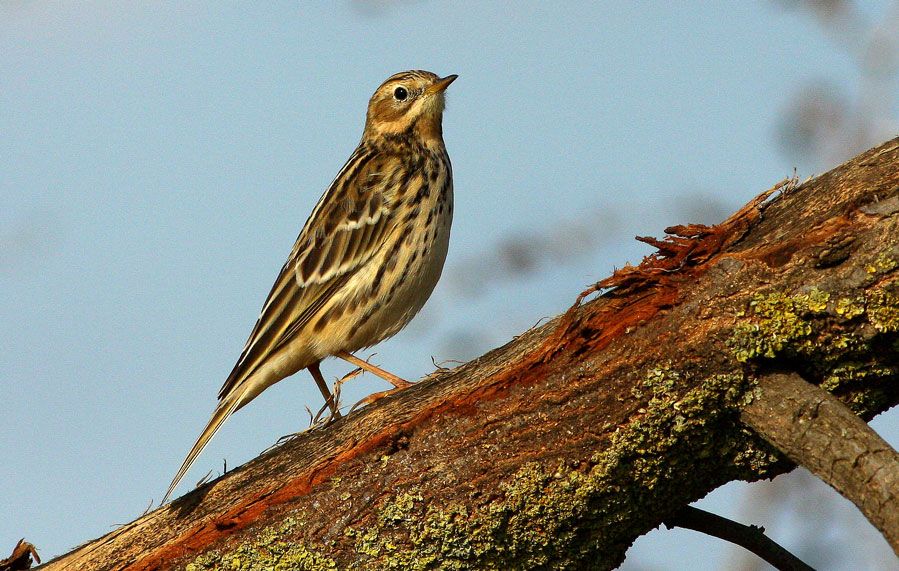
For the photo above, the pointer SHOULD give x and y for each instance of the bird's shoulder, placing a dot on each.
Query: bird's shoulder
(353, 215)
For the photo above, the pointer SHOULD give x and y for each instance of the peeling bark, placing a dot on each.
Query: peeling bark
(23, 555)
(560, 448)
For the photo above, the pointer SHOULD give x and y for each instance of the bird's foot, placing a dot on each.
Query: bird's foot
(376, 397)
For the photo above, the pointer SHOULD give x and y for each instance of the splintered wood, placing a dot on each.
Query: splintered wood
(690, 245)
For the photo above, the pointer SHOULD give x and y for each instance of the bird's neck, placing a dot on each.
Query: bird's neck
(429, 130)
(407, 140)
(424, 131)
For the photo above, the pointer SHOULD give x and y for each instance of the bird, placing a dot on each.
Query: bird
(367, 258)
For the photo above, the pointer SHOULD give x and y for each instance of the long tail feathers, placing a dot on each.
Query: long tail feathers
(224, 409)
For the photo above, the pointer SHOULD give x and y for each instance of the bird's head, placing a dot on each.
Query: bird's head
(410, 103)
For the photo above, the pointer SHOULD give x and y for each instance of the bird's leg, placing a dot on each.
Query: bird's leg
(323, 387)
(377, 371)
(374, 370)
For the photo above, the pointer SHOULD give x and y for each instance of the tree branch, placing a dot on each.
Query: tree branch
(577, 437)
(817, 431)
(749, 537)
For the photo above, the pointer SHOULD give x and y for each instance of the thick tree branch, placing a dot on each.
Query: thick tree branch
(749, 537)
(817, 431)
(563, 446)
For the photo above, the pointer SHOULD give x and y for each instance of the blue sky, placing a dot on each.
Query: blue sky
(158, 160)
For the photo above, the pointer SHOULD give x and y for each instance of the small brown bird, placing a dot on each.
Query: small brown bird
(367, 258)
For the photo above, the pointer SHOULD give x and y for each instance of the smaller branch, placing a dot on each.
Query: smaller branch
(749, 537)
(817, 431)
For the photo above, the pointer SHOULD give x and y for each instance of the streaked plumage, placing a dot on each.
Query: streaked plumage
(367, 258)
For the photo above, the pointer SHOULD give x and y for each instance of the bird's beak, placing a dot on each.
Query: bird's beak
(441, 84)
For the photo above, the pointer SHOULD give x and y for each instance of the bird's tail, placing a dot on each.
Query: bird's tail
(224, 409)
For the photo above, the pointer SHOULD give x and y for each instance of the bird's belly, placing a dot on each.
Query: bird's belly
(412, 291)
(402, 291)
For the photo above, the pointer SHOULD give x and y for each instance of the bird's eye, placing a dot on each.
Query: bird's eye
(400, 93)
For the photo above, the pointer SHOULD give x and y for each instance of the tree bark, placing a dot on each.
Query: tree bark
(560, 448)
(814, 429)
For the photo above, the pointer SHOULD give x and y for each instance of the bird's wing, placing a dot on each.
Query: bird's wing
(348, 225)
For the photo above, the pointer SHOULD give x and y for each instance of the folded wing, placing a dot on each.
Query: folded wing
(348, 226)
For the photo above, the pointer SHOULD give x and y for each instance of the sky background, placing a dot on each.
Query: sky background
(157, 161)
